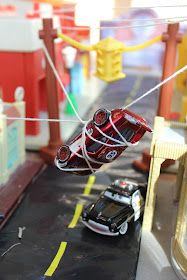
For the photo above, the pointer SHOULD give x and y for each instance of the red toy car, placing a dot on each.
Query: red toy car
(102, 140)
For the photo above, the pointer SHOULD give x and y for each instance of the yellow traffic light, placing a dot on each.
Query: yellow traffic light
(109, 55)
(109, 60)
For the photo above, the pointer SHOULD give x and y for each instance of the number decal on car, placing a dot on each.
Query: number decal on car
(111, 155)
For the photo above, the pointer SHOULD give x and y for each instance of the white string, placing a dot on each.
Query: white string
(121, 27)
(70, 169)
(129, 20)
(84, 152)
(125, 143)
(84, 130)
(63, 88)
(146, 19)
(10, 249)
(86, 157)
(130, 8)
(149, 7)
(40, 119)
(60, 81)
(157, 86)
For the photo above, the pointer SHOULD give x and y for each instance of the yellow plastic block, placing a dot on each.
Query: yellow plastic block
(109, 55)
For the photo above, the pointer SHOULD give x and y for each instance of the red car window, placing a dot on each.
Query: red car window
(94, 147)
(127, 133)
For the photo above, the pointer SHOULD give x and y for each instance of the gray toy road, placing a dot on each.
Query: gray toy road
(49, 206)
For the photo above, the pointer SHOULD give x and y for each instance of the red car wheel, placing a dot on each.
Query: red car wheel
(63, 153)
(101, 117)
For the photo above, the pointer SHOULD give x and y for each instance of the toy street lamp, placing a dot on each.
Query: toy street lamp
(69, 55)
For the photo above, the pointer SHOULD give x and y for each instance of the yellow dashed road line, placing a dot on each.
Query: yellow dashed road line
(134, 90)
(56, 259)
(91, 181)
(128, 100)
(78, 211)
(79, 206)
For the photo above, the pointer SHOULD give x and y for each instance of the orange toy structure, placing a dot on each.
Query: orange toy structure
(171, 38)
(48, 34)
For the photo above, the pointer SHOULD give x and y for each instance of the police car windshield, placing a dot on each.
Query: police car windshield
(115, 196)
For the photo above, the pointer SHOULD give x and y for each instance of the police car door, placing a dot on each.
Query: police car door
(137, 204)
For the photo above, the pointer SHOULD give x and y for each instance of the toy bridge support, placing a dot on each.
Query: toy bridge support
(48, 34)
(171, 38)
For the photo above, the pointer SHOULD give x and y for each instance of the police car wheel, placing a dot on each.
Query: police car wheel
(123, 228)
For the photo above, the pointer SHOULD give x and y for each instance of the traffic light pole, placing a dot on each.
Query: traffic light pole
(48, 34)
(171, 38)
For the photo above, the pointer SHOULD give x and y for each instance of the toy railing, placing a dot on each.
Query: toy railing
(109, 55)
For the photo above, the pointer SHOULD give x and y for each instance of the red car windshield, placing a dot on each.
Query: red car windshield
(127, 133)
(95, 146)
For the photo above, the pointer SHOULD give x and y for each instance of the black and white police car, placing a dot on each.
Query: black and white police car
(122, 202)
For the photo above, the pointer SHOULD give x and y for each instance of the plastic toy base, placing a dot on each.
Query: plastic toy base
(143, 165)
(175, 265)
(12, 192)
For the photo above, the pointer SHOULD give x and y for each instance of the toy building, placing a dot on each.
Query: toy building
(12, 135)
(168, 142)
